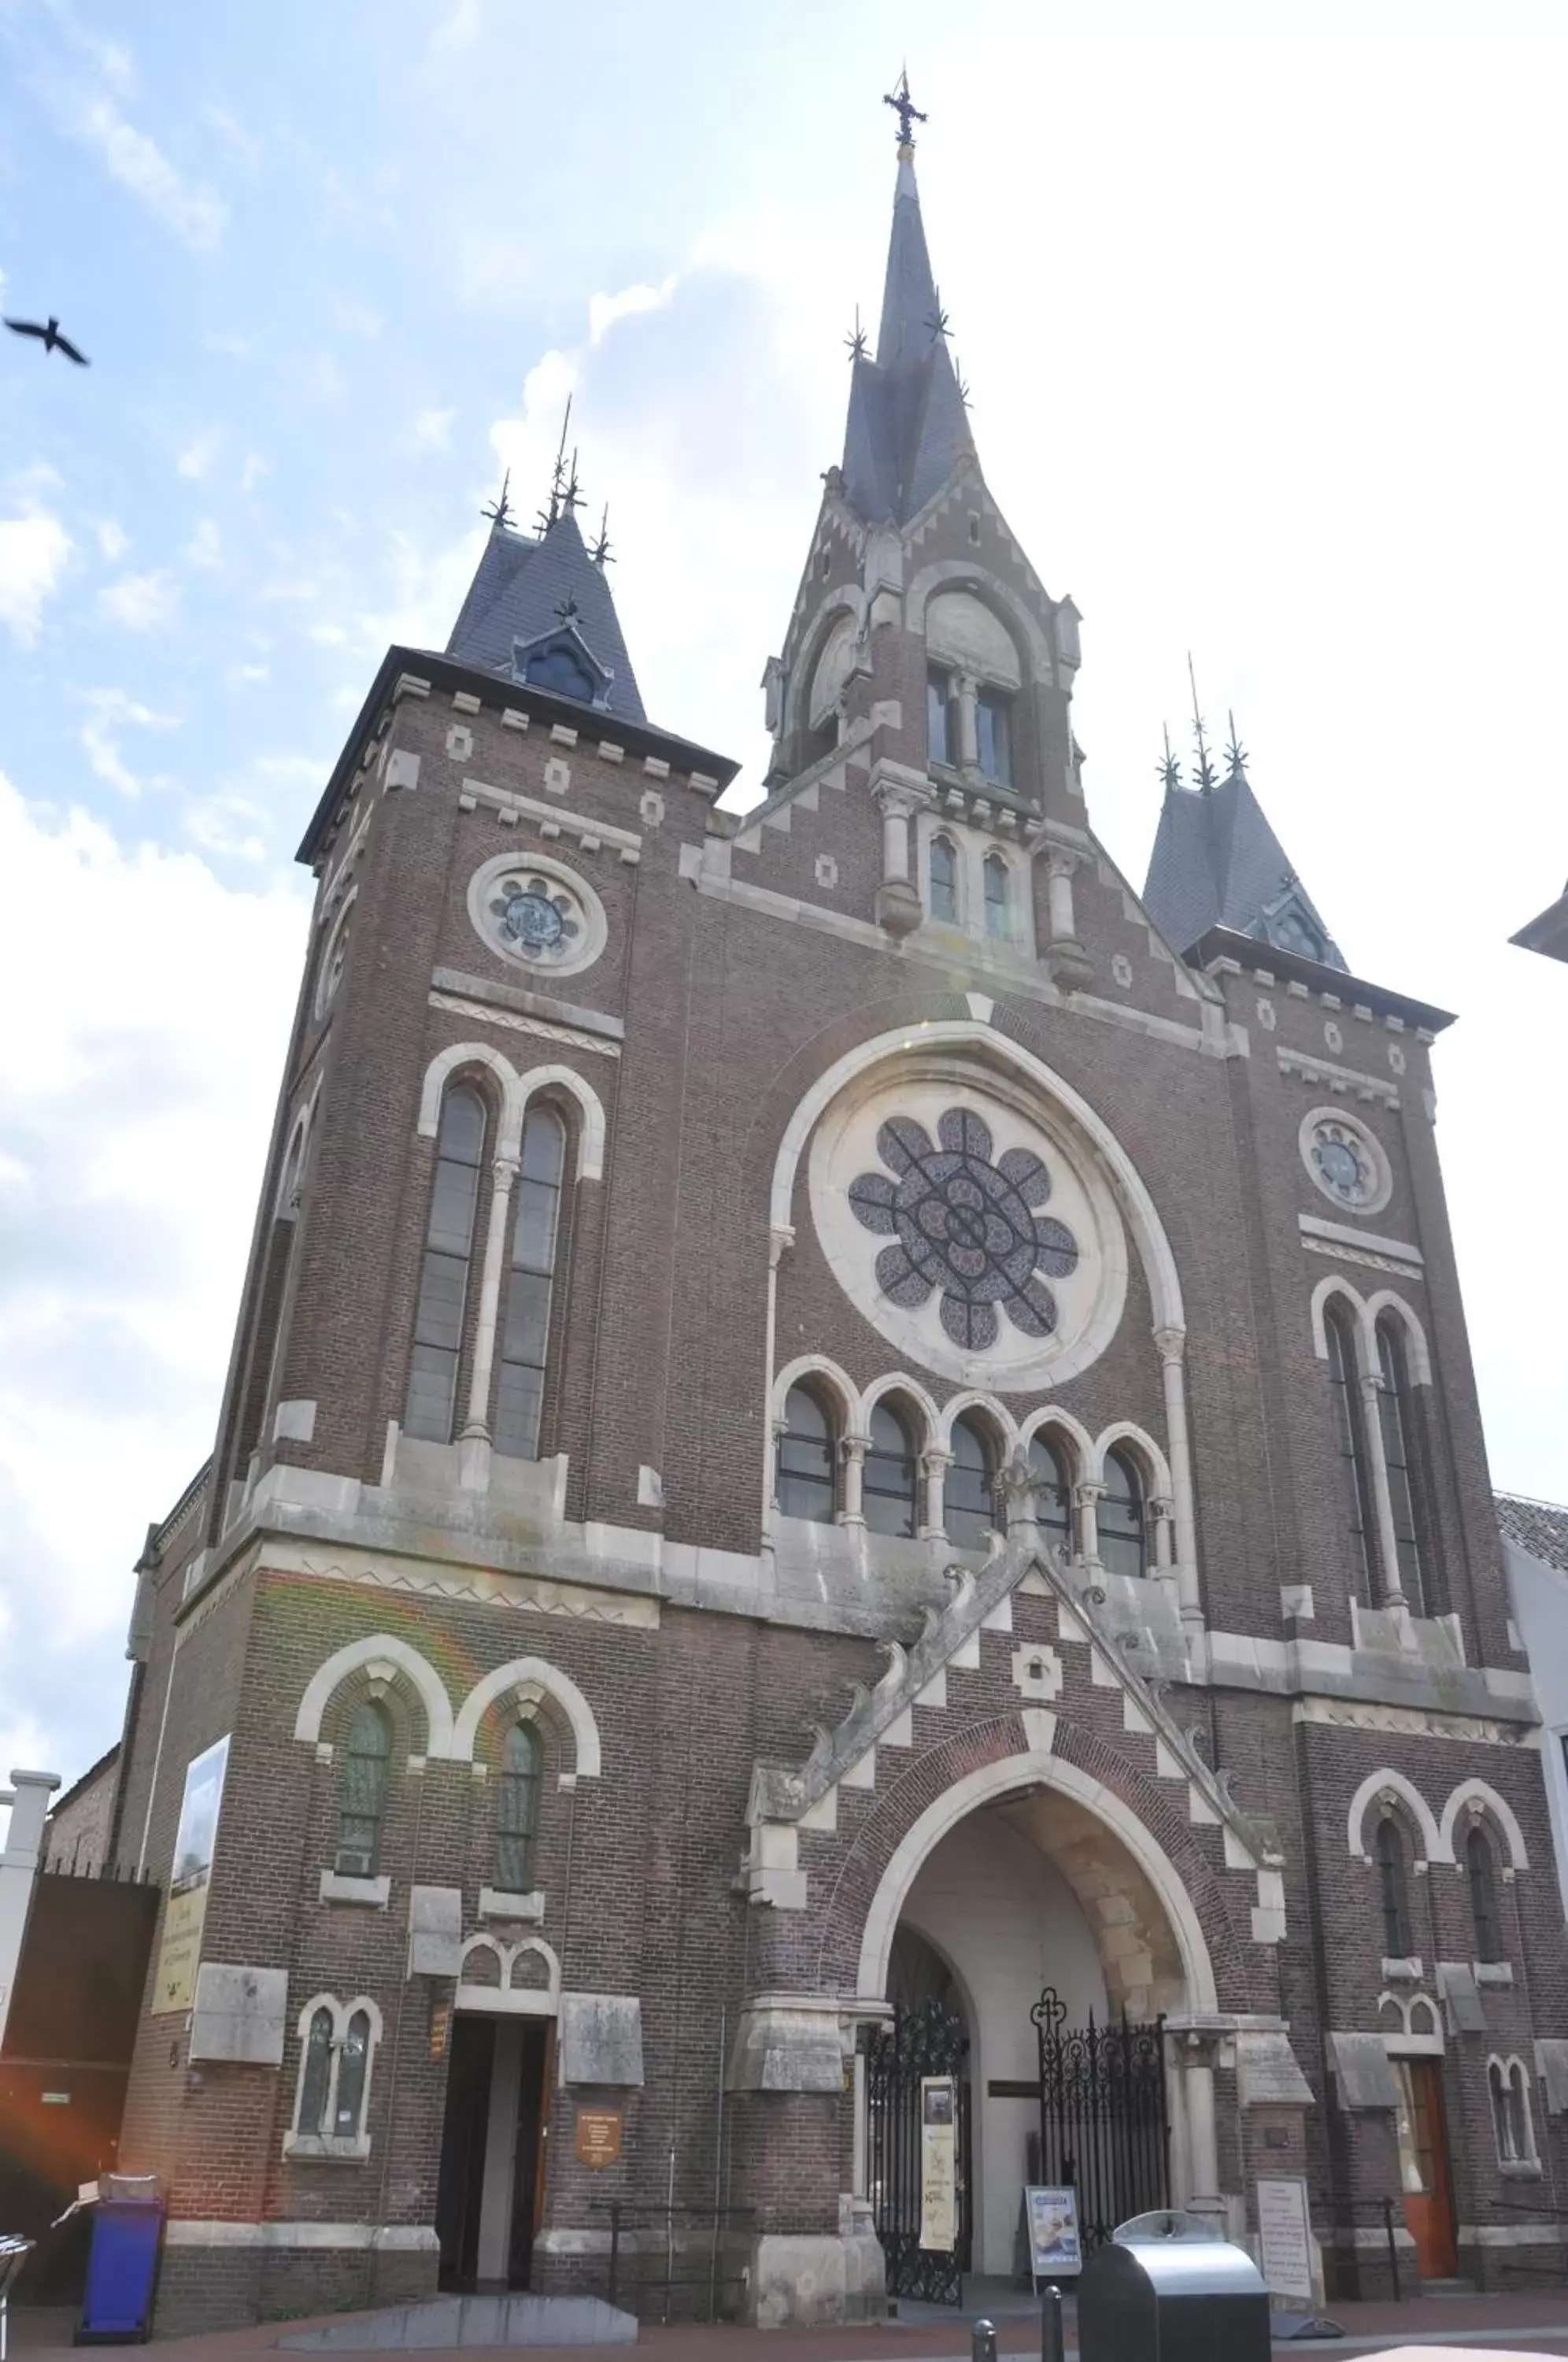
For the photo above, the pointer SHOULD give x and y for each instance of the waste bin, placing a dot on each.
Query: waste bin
(122, 2264)
(1166, 2289)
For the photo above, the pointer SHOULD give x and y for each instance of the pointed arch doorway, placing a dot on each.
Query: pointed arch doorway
(1029, 1874)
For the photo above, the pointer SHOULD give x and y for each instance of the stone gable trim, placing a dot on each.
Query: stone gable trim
(1315, 1226)
(1337, 1078)
(1411, 1722)
(541, 1027)
(527, 1004)
(388, 1570)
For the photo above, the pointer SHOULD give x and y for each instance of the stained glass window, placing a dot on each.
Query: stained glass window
(806, 1487)
(943, 880)
(1481, 1871)
(993, 738)
(362, 1795)
(517, 1809)
(318, 2073)
(347, 2115)
(526, 1333)
(444, 1274)
(968, 1510)
(938, 717)
(888, 1489)
(1348, 1435)
(1393, 1412)
(1054, 1500)
(1122, 1526)
(1393, 1900)
(998, 914)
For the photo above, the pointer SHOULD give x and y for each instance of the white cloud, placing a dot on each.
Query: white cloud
(603, 311)
(432, 430)
(111, 710)
(356, 319)
(241, 675)
(124, 1264)
(117, 705)
(34, 549)
(236, 136)
(196, 459)
(140, 601)
(113, 540)
(460, 27)
(204, 549)
(252, 468)
(193, 210)
(108, 763)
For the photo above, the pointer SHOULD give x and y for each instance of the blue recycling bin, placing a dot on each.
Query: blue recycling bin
(122, 2264)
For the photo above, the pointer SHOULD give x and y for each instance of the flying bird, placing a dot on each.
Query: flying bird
(49, 335)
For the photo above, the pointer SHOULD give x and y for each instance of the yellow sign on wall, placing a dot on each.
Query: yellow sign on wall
(195, 1841)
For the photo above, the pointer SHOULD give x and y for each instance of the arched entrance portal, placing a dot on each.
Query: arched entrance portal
(1029, 1874)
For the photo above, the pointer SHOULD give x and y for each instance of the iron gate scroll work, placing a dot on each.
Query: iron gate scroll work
(1103, 2125)
(927, 2040)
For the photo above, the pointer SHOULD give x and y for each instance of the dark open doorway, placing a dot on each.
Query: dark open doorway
(487, 2200)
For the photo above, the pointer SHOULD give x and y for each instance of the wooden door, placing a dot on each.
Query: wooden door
(1423, 2166)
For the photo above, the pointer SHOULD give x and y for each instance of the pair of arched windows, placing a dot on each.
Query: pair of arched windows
(1512, 2127)
(447, 1272)
(1360, 1473)
(362, 1799)
(334, 2081)
(942, 867)
(1394, 1899)
(889, 1487)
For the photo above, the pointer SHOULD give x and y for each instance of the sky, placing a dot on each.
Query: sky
(1264, 327)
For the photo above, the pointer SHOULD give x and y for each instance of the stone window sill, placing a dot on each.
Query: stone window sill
(372, 1893)
(327, 2148)
(495, 1903)
(1521, 2170)
(1494, 1972)
(1408, 1972)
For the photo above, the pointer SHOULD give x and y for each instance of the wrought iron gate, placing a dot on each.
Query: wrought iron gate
(927, 2040)
(1103, 2126)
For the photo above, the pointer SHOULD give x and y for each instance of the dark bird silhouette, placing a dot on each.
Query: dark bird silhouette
(49, 335)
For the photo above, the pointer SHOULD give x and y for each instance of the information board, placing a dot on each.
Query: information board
(938, 2163)
(1285, 2237)
(1051, 2218)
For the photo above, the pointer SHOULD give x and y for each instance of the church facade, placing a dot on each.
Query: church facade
(843, 1434)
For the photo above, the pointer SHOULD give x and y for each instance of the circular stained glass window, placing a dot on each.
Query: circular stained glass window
(537, 914)
(1346, 1161)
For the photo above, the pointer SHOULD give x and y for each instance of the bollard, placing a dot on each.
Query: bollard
(1053, 2335)
(983, 2342)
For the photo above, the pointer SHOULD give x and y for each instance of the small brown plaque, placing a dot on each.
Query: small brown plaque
(440, 2022)
(598, 2136)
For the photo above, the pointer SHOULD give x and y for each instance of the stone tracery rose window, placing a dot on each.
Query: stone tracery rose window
(540, 919)
(965, 1227)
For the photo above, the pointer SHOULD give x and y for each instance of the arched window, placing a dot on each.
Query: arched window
(1124, 1528)
(315, 2082)
(1054, 1501)
(889, 1492)
(1511, 2123)
(355, 2058)
(1355, 1496)
(1481, 1874)
(444, 1274)
(1394, 1411)
(561, 670)
(943, 880)
(939, 716)
(999, 913)
(517, 1810)
(993, 737)
(806, 1485)
(969, 1510)
(362, 1798)
(526, 1336)
(1388, 1853)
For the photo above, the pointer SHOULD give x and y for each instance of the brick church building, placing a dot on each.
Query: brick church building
(850, 1454)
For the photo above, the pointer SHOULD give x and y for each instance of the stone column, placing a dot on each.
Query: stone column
(1197, 2048)
(968, 729)
(27, 1797)
(1087, 1498)
(1065, 955)
(853, 1452)
(1172, 1347)
(476, 1428)
(898, 907)
(1160, 1519)
(1387, 1587)
(934, 1466)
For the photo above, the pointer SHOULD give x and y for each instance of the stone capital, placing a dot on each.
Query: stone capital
(1171, 1345)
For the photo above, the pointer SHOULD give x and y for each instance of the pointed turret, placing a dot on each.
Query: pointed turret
(906, 429)
(1218, 863)
(540, 610)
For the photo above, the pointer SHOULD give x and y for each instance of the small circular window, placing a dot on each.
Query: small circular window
(537, 915)
(1346, 1161)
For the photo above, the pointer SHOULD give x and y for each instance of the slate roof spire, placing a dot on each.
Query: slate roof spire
(539, 608)
(1218, 863)
(906, 430)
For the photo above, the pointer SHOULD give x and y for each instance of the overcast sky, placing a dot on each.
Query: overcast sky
(1264, 335)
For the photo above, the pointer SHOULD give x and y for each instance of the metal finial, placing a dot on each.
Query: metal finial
(602, 553)
(570, 496)
(567, 609)
(961, 382)
(1235, 753)
(551, 514)
(1205, 767)
(856, 342)
(500, 511)
(905, 109)
(937, 320)
(1170, 770)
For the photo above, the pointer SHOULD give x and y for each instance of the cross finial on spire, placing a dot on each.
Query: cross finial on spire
(601, 553)
(938, 321)
(567, 609)
(856, 342)
(500, 512)
(570, 496)
(906, 110)
(551, 514)
(1170, 770)
(1205, 767)
(1235, 753)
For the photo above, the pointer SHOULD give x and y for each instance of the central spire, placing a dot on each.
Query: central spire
(906, 431)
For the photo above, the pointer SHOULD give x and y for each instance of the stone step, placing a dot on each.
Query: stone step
(445, 2322)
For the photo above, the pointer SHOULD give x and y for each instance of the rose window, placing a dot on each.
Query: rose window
(1343, 1164)
(535, 918)
(969, 1229)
